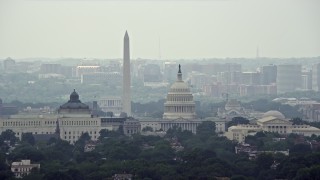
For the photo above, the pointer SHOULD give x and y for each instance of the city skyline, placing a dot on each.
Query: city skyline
(160, 30)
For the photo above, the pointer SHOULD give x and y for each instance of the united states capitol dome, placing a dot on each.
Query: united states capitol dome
(179, 103)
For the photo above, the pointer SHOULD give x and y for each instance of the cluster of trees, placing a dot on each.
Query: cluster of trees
(204, 155)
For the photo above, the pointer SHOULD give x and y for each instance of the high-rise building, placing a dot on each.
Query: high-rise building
(268, 74)
(50, 68)
(152, 73)
(126, 87)
(316, 77)
(306, 80)
(288, 78)
(250, 78)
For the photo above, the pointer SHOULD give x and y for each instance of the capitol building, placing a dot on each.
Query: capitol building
(179, 109)
(179, 103)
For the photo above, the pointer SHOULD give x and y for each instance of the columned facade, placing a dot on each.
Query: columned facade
(179, 102)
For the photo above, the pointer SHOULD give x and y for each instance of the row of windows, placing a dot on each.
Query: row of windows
(79, 123)
(300, 126)
(74, 137)
(131, 131)
(278, 132)
(50, 122)
(277, 127)
(19, 123)
(22, 169)
(18, 133)
(78, 132)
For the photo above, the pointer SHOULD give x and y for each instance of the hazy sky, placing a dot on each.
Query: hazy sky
(185, 29)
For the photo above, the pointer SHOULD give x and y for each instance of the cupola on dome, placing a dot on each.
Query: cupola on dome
(74, 105)
(179, 103)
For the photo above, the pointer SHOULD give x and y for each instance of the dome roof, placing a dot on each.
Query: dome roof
(179, 86)
(74, 102)
(276, 114)
(74, 97)
(179, 103)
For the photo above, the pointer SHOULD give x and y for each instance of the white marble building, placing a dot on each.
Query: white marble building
(179, 103)
(271, 121)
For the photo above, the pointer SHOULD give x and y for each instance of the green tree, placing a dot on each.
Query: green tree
(237, 120)
(264, 161)
(206, 128)
(79, 145)
(8, 135)
(28, 138)
(57, 175)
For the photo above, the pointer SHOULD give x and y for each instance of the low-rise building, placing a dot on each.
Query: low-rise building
(72, 119)
(272, 121)
(23, 168)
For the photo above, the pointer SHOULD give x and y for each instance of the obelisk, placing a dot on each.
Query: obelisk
(126, 86)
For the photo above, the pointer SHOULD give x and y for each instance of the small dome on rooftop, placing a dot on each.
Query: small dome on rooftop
(74, 96)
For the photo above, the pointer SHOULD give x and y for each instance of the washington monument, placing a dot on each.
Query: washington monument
(126, 86)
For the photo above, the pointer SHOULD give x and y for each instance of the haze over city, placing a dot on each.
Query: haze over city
(160, 29)
(151, 89)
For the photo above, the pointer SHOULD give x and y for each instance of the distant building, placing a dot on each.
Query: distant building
(111, 104)
(106, 78)
(80, 70)
(8, 64)
(288, 78)
(232, 109)
(23, 168)
(311, 111)
(131, 126)
(306, 80)
(268, 74)
(253, 90)
(169, 71)
(7, 109)
(228, 78)
(197, 80)
(50, 68)
(316, 77)
(152, 73)
(250, 78)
